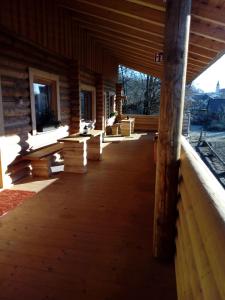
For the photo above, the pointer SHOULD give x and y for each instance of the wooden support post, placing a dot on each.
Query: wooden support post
(75, 156)
(119, 100)
(75, 97)
(170, 125)
(95, 148)
(100, 107)
(41, 167)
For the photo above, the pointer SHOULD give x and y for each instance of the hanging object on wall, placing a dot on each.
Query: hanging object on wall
(158, 57)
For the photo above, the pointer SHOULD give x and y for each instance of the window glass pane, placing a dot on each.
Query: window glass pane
(86, 105)
(45, 115)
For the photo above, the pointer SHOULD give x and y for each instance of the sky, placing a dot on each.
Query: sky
(207, 81)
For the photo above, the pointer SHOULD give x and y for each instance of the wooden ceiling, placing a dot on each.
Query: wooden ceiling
(133, 30)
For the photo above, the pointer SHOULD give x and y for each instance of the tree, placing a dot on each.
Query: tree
(142, 91)
(152, 95)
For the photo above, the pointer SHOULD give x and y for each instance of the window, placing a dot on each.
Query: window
(44, 101)
(86, 105)
(109, 103)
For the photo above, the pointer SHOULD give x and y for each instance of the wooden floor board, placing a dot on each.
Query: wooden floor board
(87, 237)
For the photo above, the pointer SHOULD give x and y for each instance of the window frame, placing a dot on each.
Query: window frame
(108, 108)
(92, 89)
(42, 77)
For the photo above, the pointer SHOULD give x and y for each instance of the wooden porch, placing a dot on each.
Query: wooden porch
(88, 236)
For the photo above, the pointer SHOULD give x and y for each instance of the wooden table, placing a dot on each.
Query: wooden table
(127, 126)
(78, 148)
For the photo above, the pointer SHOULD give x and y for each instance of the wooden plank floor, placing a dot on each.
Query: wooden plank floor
(87, 236)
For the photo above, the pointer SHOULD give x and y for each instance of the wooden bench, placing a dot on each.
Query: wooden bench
(41, 159)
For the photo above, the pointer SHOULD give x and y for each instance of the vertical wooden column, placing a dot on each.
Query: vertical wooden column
(119, 100)
(171, 114)
(100, 105)
(75, 96)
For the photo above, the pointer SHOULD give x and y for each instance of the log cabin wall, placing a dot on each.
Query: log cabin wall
(102, 85)
(15, 61)
(40, 35)
(87, 77)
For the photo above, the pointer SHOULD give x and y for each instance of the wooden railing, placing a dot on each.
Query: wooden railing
(145, 122)
(200, 242)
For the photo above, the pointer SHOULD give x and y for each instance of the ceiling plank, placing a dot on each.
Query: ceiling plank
(101, 26)
(194, 49)
(206, 43)
(127, 52)
(208, 12)
(207, 30)
(139, 67)
(129, 22)
(198, 58)
(155, 4)
(119, 28)
(130, 9)
(98, 30)
(208, 53)
(121, 43)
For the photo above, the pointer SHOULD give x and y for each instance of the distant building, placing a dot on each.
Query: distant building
(218, 87)
(216, 109)
(216, 114)
(199, 108)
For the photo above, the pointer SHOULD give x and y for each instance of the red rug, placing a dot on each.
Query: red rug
(12, 198)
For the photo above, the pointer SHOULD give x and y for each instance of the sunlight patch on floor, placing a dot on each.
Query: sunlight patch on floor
(34, 184)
